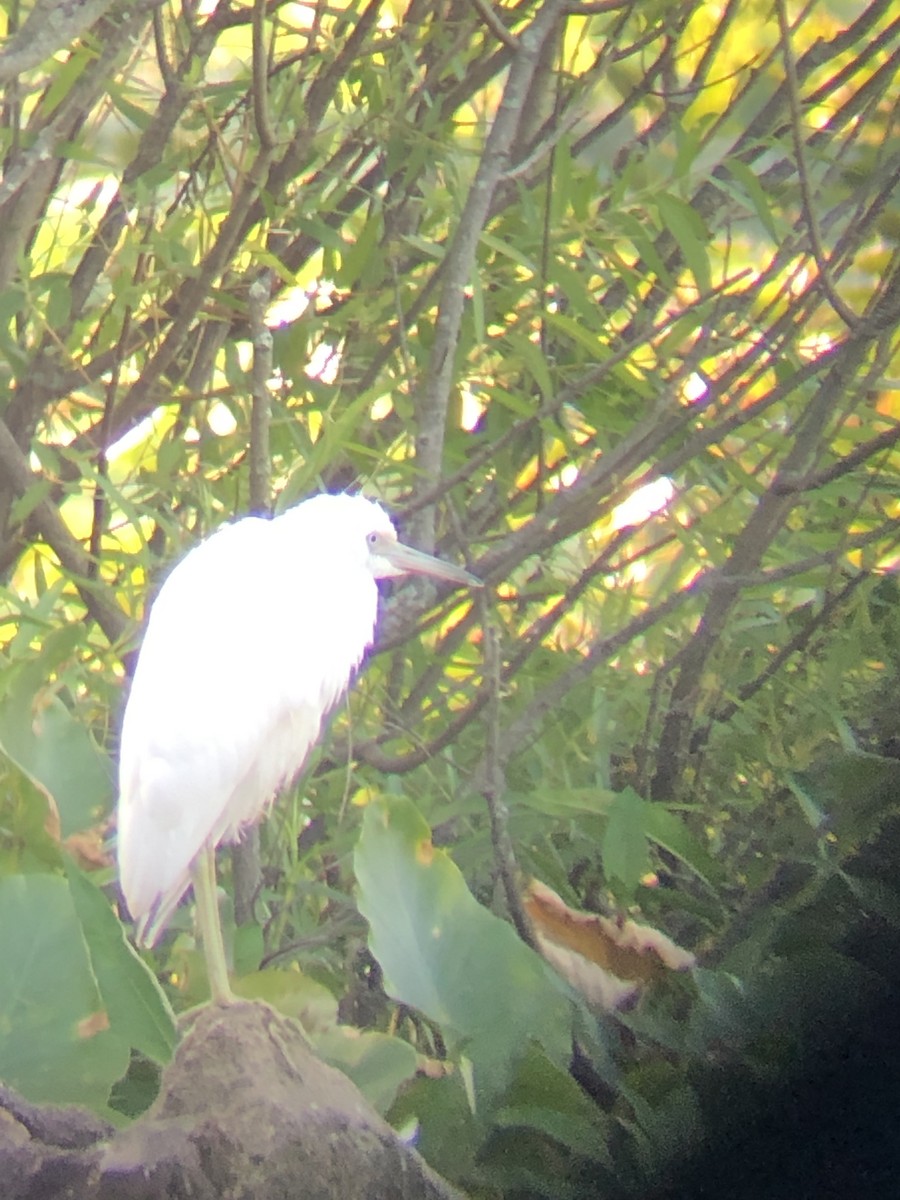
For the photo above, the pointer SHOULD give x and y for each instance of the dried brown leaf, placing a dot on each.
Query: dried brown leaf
(608, 960)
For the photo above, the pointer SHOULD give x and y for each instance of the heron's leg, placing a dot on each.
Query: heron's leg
(206, 899)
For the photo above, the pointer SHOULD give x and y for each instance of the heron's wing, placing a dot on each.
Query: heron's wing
(237, 669)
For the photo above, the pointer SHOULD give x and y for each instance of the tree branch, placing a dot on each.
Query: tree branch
(757, 535)
(493, 785)
(51, 26)
(50, 526)
(460, 256)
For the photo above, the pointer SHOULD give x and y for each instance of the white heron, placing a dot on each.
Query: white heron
(252, 639)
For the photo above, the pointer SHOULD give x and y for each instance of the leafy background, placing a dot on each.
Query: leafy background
(599, 298)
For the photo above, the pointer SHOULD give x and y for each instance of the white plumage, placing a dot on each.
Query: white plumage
(253, 638)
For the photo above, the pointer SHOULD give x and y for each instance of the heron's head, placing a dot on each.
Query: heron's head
(354, 525)
(389, 557)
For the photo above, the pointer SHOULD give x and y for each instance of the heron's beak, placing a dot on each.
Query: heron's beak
(406, 561)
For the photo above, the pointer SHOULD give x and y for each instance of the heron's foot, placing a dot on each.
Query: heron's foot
(185, 1021)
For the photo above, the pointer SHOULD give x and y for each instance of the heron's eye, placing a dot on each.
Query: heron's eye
(374, 539)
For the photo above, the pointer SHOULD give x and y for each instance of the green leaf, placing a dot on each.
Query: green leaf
(357, 254)
(564, 802)
(544, 1097)
(444, 954)
(522, 350)
(55, 1046)
(814, 815)
(586, 337)
(336, 432)
(756, 194)
(138, 1010)
(686, 228)
(41, 736)
(27, 824)
(625, 851)
(643, 244)
(57, 287)
(447, 1134)
(875, 896)
(855, 790)
(377, 1064)
(138, 116)
(667, 830)
(513, 252)
(670, 1127)
(292, 993)
(25, 504)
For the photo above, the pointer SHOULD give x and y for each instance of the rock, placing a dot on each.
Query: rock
(246, 1111)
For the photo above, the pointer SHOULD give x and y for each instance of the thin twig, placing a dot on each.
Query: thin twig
(460, 256)
(798, 642)
(764, 525)
(865, 450)
(493, 22)
(493, 784)
(261, 77)
(49, 28)
(258, 299)
(50, 526)
(809, 209)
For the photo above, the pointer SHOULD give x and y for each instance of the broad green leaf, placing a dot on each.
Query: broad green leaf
(292, 993)
(248, 948)
(55, 1043)
(521, 1160)
(444, 954)
(377, 1064)
(820, 987)
(854, 790)
(42, 737)
(438, 1113)
(544, 1097)
(138, 1010)
(667, 830)
(669, 1127)
(625, 851)
(27, 822)
(875, 896)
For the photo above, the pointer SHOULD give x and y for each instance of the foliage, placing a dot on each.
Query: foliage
(601, 299)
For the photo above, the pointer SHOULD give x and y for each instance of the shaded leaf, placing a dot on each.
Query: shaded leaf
(546, 1099)
(852, 789)
(667, 830)
(626, 854)
(377, 1064)
(292, 993)
(444, 954)
(42, 737)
